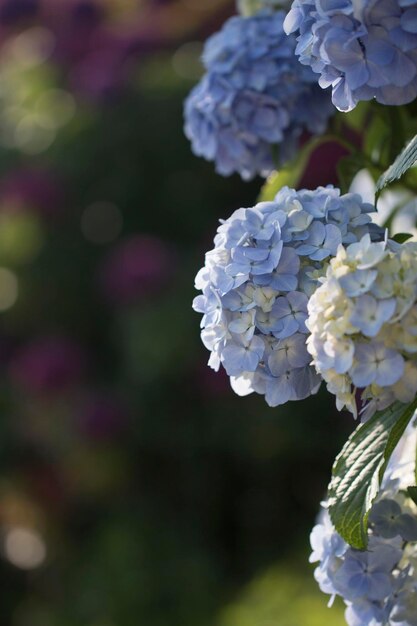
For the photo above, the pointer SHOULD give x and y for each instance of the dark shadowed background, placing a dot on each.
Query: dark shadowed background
(135, 487)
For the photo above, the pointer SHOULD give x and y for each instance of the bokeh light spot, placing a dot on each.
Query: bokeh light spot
(21, 235)
(30, 48)
(24, 548)
(186, 60)
(31, 136)
(9, 289)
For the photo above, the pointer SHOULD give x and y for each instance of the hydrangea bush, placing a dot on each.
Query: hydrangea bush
(304, 287)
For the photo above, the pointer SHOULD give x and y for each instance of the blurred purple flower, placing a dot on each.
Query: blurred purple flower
(86, 13)
(12, 11)
(102, 72)
(47, 364)
(90, 47)
(33, 189)
(102, 417)
(139, 266)
(93, 51)
(96, 44)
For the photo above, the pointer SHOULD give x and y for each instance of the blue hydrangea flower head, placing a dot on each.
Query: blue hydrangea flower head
(379, 584)
(361, 50)
(257, 280)
(363, 325)
(254, 99)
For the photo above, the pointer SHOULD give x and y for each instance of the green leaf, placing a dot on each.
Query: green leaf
(377, 140)
(412, 492)
(359, 469)
(291, 173)
(402, 237)
(402, 163)
(357, 117)
(347, 168)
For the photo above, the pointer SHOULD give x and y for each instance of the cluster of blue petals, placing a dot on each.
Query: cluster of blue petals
(379, 584)
(363, 50)
(255, 94)
(257, 280)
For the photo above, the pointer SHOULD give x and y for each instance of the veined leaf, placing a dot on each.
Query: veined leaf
(359, 469)
(402, 237)
(402, 163)
(412, 492)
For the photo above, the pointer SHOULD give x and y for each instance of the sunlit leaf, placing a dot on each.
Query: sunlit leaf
(406, 159)
(402, 237)
(359, 469)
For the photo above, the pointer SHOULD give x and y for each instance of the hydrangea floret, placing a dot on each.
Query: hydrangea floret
(361, 50)
(255, 101)
(257, 280)
(363, 325)
(379, 584)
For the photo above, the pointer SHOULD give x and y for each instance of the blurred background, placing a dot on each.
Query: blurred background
(135, 488)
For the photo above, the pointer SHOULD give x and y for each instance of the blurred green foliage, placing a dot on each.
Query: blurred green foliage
(283, 596)
(161, 503)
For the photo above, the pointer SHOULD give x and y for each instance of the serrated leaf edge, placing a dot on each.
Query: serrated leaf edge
(352, 454)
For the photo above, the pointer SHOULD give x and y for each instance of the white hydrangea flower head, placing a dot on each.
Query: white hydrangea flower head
(363, 325)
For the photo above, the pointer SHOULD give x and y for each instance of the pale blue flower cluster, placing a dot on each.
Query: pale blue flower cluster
(363, 50)
(378, 585)
(363, 324)
(257, 281)
(255, 99)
